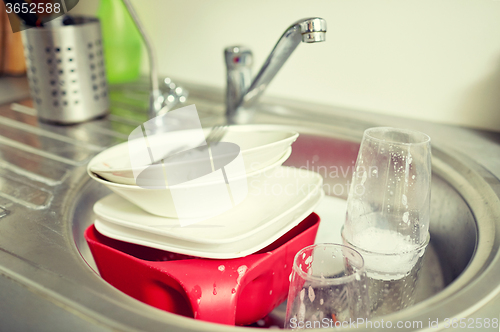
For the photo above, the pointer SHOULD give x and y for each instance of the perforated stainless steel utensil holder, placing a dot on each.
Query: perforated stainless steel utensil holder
(66, 71)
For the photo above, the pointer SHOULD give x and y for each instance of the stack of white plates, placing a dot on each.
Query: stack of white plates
(262, 148)
(235, 210)
(275, 203)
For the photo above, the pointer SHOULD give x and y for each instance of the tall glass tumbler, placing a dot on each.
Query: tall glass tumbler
(327, 288)
(388, 210)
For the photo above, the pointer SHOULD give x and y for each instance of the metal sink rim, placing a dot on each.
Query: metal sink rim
(461, 288)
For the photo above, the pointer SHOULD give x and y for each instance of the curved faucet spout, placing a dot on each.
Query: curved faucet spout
(310, 30)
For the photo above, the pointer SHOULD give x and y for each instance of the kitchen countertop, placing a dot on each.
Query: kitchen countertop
(13, 89)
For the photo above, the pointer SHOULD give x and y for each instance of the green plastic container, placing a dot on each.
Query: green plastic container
(122, 42)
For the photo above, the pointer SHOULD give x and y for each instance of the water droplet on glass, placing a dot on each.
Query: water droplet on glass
(302, 294)
(302, 312)
(310, 293)
(363, 178)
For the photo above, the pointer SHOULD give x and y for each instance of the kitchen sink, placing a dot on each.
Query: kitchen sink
(48, 279)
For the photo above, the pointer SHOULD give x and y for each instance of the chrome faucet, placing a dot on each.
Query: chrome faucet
(242, 93)
(161, 98)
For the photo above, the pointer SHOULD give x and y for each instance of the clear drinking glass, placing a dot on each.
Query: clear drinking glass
(327, 287)
(388, 211)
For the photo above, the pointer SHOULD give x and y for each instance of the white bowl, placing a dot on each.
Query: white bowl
(261, 146)
(201, 198)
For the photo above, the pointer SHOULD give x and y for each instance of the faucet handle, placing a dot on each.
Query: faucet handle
(238, 57)
(239, 60)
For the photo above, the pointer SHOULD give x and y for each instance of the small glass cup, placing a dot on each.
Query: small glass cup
(327, 287)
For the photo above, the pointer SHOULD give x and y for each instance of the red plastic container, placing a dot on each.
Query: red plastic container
(229, 291)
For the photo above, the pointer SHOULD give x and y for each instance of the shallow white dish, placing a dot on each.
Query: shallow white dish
(261, 145)
(231, 250)
(220, 237)
(269, 198)
(160, 201)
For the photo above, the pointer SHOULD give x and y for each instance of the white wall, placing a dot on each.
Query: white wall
(428, 59)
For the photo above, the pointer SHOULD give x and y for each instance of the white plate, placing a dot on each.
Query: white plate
(231, 250)
(270, 197)
(159, 201)
(261, 146)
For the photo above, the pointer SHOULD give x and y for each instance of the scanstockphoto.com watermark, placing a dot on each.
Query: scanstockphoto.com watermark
(332, 171)
(337, 187)
(481, 324)
(262, 187)
(327, 323)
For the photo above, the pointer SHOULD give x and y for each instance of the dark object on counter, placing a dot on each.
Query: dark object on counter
(227, 291)
(28, 17)
(69, 20)
(25, 15)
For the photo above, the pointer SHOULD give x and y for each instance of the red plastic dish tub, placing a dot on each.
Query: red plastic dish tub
(229, 291)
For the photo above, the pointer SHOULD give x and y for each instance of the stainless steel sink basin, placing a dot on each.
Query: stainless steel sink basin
(47, 276)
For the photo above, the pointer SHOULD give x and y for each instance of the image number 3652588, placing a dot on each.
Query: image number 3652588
(35, 13)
